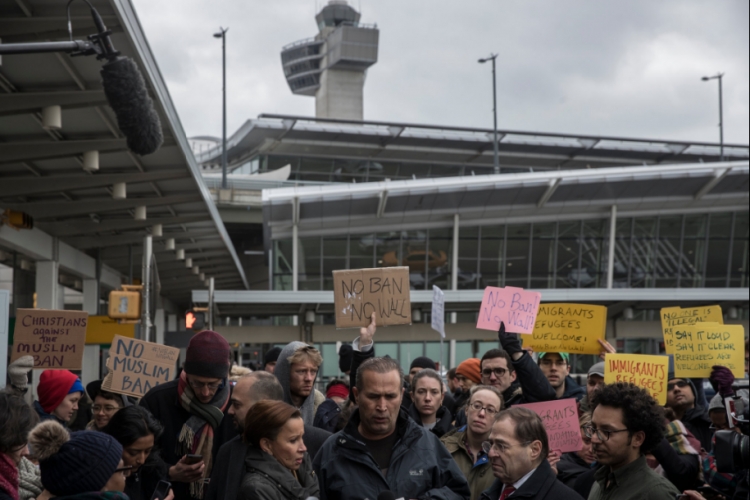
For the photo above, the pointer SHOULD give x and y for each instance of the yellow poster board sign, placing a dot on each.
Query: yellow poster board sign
(648, 372)
(677, 317)
(573, 328)
(102, 330)
(701, 346)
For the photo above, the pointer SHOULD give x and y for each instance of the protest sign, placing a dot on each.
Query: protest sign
(54, 338)
(573, 328)
(438, 310)
(677, 317)
(648, 372)
(700, 346)
(561, 421)
(515, 307)
(136, 366)
(360, 292)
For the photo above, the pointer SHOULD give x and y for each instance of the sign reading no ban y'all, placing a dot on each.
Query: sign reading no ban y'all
(360, 292)
(515, 307)
(54, 338)
(137, 366)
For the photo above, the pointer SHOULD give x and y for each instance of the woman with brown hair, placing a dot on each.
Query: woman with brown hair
(16, 420)
(277, 464)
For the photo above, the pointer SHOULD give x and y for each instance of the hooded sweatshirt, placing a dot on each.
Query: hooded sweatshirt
(283, 372)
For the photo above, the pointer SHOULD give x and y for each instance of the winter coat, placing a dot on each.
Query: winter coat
(444, 422)
(542, 485)
(420, 466)
(573, 390)
(478, 474)
(327, 415)
(570, 467)
(44, 416)
(266, 479)
(697, 422)
(141, 484)
(283, 373)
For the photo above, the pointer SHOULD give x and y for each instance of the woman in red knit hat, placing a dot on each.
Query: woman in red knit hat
(59, 392)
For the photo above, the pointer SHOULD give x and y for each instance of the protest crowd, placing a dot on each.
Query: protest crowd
(219, 433)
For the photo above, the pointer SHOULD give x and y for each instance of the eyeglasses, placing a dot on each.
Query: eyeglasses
(200, 385)
(602, 435)
(499, 372)
(106, 408)
(680, 383)
(500, 447)
(125, 470)
(477, 407)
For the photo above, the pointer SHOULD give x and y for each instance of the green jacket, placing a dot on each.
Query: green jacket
(635, 481)
(478, 475)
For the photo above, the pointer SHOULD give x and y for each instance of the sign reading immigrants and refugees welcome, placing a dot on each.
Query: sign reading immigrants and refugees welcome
(573, 328)
(360, 292)
(54, 338)
(136, 366)
(560, 418)
(646, 371)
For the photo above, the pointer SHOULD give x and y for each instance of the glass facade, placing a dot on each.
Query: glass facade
(683, 251)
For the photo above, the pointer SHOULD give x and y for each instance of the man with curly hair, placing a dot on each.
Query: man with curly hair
(625, 425)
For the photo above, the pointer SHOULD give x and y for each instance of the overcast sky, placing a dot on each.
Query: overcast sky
(625, 68)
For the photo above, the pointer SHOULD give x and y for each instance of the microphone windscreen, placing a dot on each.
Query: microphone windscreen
(386, 495)
(126, 93)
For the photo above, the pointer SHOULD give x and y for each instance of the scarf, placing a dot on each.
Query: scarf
(682, 441)
(8, 476)
(29, 480)
(96, 495)
(197, 434)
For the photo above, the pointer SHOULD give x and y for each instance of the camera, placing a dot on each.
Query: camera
(732, 451)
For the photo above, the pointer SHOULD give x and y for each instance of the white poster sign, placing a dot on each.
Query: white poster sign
(438, 310)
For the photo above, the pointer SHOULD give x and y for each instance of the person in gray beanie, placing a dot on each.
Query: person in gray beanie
(297, 369)
(594, 382)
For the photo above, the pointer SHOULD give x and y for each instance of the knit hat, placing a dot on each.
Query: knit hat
(471, 369)
(75, 463)
(422, 362)
(346, 356)
(207, 355)
(272, 355)
(563, 355)
(54, 385)
(597, 369)
(717, 403)
(338, 390)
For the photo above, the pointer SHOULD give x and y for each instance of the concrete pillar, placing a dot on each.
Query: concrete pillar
(4, 334)
(91, 296)
(612, 241)
(91, 364)
(454, 262)
(295, 258)
(48, 296)
(159, 326)
(171, 322)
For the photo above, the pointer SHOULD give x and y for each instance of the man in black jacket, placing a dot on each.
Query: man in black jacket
(518, 449)
(682, 397)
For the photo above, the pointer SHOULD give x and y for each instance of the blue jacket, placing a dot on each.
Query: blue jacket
(573, 390)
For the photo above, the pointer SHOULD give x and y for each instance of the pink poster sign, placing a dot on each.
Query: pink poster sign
(515, 307)
(561, 421)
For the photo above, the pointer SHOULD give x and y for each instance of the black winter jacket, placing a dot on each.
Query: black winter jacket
(570, 467)
(420, 466)
(542, 485)
(327, 415)
(443, 425)
(266, 479)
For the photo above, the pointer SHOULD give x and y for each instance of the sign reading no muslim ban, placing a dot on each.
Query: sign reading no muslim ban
(515, 307)
(701, 346)
(561, 421)
(673, 318)
(648, 372)
(136, 366)
(573, 328)
(360, 292)
(54, 338)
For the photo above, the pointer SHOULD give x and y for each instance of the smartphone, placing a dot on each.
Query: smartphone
(193, 459)
(161, 491)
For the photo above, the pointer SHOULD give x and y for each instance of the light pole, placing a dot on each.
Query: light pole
(494, 106)
(719, 76)
(223, 35)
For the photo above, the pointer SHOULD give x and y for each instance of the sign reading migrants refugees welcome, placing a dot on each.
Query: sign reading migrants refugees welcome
(54, 338)
(573, 328)
(648, 372)
(515, 307)
(136, 366)
(700, 346)
(360, 292)
(677, 318)
(561, 421)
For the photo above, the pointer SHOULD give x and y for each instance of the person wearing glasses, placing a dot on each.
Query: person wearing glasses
(85, 465)
(683, 399)
(193, 410)
(465, 443)
(626, 423)
(16, 420)
(106, 404)
(517, 448)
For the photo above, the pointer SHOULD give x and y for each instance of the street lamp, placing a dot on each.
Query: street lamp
(719, 76)
(223, 35)
(494, 106)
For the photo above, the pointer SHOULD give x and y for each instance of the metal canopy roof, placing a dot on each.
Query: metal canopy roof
(385, 141)
(493, 199)
(41, 170)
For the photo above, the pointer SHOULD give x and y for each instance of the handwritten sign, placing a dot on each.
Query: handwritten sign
(700, 346)
(54, 338)
(515, 307)
(573, 328)
(677, 317)
(360, 292)
(438, 310)
(561, 421)
(137, 366)
(648, 372)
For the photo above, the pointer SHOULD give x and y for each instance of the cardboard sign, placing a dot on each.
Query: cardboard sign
(137, 366)
(438, 310)
(513, 306)
(677, 317)
(561, 421)
(573, 328)
(649, 372)
(360, 292)
(54, 338)
(700, 346)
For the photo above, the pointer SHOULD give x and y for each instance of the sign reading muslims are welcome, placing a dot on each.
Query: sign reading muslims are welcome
(54, 338)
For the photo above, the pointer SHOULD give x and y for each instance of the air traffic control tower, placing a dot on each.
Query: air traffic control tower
(332, 65)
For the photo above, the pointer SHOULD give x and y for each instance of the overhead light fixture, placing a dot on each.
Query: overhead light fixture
(156, 230)
(169, 244)
(180, 254)
(91, 161)
(202, 276)
(309, 317)
(140, 213)
(416, 316)
(52, 118)
(628, 313)
(188, 262)
(196, 270)
(119, 191)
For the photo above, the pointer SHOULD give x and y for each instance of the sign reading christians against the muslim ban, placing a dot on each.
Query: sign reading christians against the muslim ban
(54, 338)
(360, 292)
(678, 318)
(573, 328)
(701, 346)
(137, 366)
(515, 307)
(561, 421)
(648, 372)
